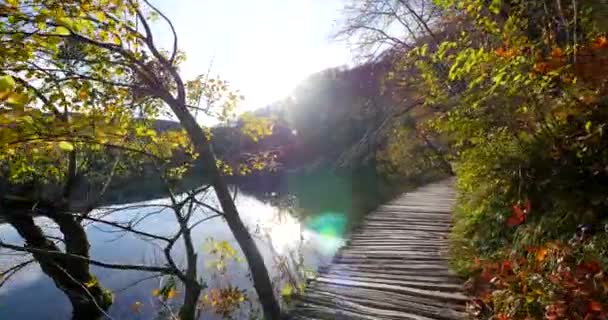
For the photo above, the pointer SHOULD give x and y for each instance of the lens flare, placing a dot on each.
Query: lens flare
(329, 228)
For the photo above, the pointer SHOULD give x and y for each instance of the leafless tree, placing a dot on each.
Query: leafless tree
(375, 26)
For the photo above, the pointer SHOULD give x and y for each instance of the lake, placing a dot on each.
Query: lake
(305, 222)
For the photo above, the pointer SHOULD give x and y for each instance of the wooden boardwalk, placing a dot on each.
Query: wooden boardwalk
(394, 265)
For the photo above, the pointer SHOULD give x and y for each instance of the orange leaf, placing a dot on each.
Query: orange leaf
(557, 53)
(541, 67)
(541, 254)
(511, 53)
(502, 317)
(601, 42)
(501, 52)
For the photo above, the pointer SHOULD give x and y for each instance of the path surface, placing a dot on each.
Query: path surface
(394, 266)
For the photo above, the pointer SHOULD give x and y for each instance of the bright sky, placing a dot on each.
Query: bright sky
(263, 47)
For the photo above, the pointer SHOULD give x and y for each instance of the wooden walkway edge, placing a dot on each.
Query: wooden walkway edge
(394, 266)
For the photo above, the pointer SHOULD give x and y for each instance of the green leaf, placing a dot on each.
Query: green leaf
(66, 146)
(588, 126)
(495, 6)
(6, 83)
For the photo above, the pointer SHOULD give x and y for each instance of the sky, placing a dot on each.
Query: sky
(263, 47)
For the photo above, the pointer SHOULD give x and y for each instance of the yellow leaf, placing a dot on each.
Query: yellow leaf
(156, 292)
(17, 98)
(530, 299)
(287, 290)
(64, 21)
(62, 31)
(91, 283)
(6, 83)
(4, 94)
(100, 16)
(83, 94)
(66, 146)
(171, 294)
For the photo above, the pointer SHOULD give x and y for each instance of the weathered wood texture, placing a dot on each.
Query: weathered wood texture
(393, 266)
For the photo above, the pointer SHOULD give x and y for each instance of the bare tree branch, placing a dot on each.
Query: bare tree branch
(7, 274)
(204, 220)
(126, 228)
(160, 13)
(91, 261)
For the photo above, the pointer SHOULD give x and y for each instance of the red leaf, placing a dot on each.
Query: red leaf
(517, 211)
(517, 217)
(594, 266)
(502, 317)
(486, 275)
(595, 306)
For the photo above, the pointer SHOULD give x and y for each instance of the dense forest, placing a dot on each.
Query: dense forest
(507, 96)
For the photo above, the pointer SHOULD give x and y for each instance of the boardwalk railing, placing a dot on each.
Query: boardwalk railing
(394, 266)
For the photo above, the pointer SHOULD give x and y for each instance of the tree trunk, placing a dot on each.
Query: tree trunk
(259, 272)
(446, 167)
(73, 278)
(193, 288)
(188, 309)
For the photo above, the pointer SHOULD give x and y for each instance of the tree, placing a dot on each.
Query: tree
(381, 26)
(38, 179)
(115, 38)
(515, 93)
(48, 161)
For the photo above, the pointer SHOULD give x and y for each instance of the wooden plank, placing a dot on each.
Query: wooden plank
(394, 266)
(411, 311)
(398, 298)
(450, 287)
(434, 278)
(386, 271)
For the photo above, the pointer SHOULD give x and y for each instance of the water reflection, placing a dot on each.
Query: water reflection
(32, 295)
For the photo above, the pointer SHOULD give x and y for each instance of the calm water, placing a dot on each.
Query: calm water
(32, 295)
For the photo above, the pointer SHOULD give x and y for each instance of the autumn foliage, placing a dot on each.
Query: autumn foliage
(551, 282)
(521, 89)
